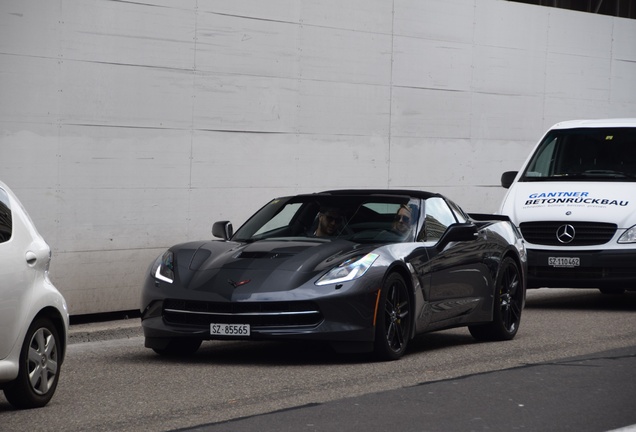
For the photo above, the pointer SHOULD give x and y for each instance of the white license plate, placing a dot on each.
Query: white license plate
(229, 329)
(564, 261)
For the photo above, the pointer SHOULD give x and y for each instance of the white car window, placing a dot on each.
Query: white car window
(6, 224)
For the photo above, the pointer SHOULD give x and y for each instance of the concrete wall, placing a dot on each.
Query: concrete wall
(126, 127)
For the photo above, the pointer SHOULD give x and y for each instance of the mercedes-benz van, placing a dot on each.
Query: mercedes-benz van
(574, 201)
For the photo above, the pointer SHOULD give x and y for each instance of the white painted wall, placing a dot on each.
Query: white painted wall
(126, 127)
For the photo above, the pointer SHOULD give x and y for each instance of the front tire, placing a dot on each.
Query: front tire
(179, 347)
(508, 304)
(612, 291)
(40, 363)
(393, 325)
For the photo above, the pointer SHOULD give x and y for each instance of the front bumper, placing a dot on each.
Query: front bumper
(595, 269)
(338, 317)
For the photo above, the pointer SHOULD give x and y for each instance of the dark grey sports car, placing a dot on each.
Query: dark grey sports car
(365, 270)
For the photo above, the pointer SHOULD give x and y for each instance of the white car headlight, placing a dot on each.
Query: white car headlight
(628, 236)
(349, 270)
(163, 268)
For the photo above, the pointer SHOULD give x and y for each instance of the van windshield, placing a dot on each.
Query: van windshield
(594, 154)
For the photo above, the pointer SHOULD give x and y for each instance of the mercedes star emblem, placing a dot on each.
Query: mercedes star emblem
(565, 233)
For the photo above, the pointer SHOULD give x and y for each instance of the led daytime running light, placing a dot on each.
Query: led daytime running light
(348, 270)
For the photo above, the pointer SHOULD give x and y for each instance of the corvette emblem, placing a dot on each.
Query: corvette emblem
(239, 283)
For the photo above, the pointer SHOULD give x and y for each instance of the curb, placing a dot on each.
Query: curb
(101, 331)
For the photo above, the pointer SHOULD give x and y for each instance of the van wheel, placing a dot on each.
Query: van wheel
(40, 364)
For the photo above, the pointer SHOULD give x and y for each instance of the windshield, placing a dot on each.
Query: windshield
(362, 219)
(607, 154)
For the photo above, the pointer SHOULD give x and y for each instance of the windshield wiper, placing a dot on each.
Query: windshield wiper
(610, 173)
(599, 173)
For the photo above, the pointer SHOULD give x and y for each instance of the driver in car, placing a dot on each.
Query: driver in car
(330, 222)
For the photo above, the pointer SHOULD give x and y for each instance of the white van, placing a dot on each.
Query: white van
(574, 201)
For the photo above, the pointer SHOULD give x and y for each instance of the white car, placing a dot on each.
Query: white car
(33, 314)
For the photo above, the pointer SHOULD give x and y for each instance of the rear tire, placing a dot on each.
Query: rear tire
(508, 304)
(393, 321)
(40, 363)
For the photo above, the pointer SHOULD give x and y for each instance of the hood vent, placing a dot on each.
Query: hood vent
(264, 255)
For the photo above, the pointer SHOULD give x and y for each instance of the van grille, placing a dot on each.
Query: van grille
(584, 233)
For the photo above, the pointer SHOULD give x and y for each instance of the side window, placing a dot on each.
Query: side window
(6, 222)
(438, 217)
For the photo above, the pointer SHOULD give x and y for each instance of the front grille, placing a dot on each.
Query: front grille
(257, 314)
(585, 233)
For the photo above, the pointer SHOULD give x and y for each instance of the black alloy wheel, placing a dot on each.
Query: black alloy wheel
(393, 325)
(508, 304)
(40, 364)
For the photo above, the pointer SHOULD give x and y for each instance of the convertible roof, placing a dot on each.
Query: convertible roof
(393, 192)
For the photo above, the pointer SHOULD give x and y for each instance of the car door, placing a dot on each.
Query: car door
(16, 277)
(459, 279)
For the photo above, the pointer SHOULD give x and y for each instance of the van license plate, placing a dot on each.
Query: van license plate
(564, 261)
(229, 329)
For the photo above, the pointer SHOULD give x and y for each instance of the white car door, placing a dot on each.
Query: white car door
(16, 273)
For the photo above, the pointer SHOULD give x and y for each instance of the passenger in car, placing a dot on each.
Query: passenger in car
(403, 221)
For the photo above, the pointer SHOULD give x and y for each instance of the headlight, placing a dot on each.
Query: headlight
(349, 270)
(163, 268)
(628, 236)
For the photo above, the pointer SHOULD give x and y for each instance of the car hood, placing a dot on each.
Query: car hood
(239, 271)
(576, 201)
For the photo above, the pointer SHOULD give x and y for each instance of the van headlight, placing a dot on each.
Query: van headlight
(628, 236)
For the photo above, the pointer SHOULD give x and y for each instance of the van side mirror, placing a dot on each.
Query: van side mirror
(507, 178)
(222, 229)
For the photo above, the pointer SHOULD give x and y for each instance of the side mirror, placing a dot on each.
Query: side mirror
(458, 232)
(222, 229)
(507, 178)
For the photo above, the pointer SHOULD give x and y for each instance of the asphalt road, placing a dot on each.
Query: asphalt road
(583, 394)
(571, 367)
